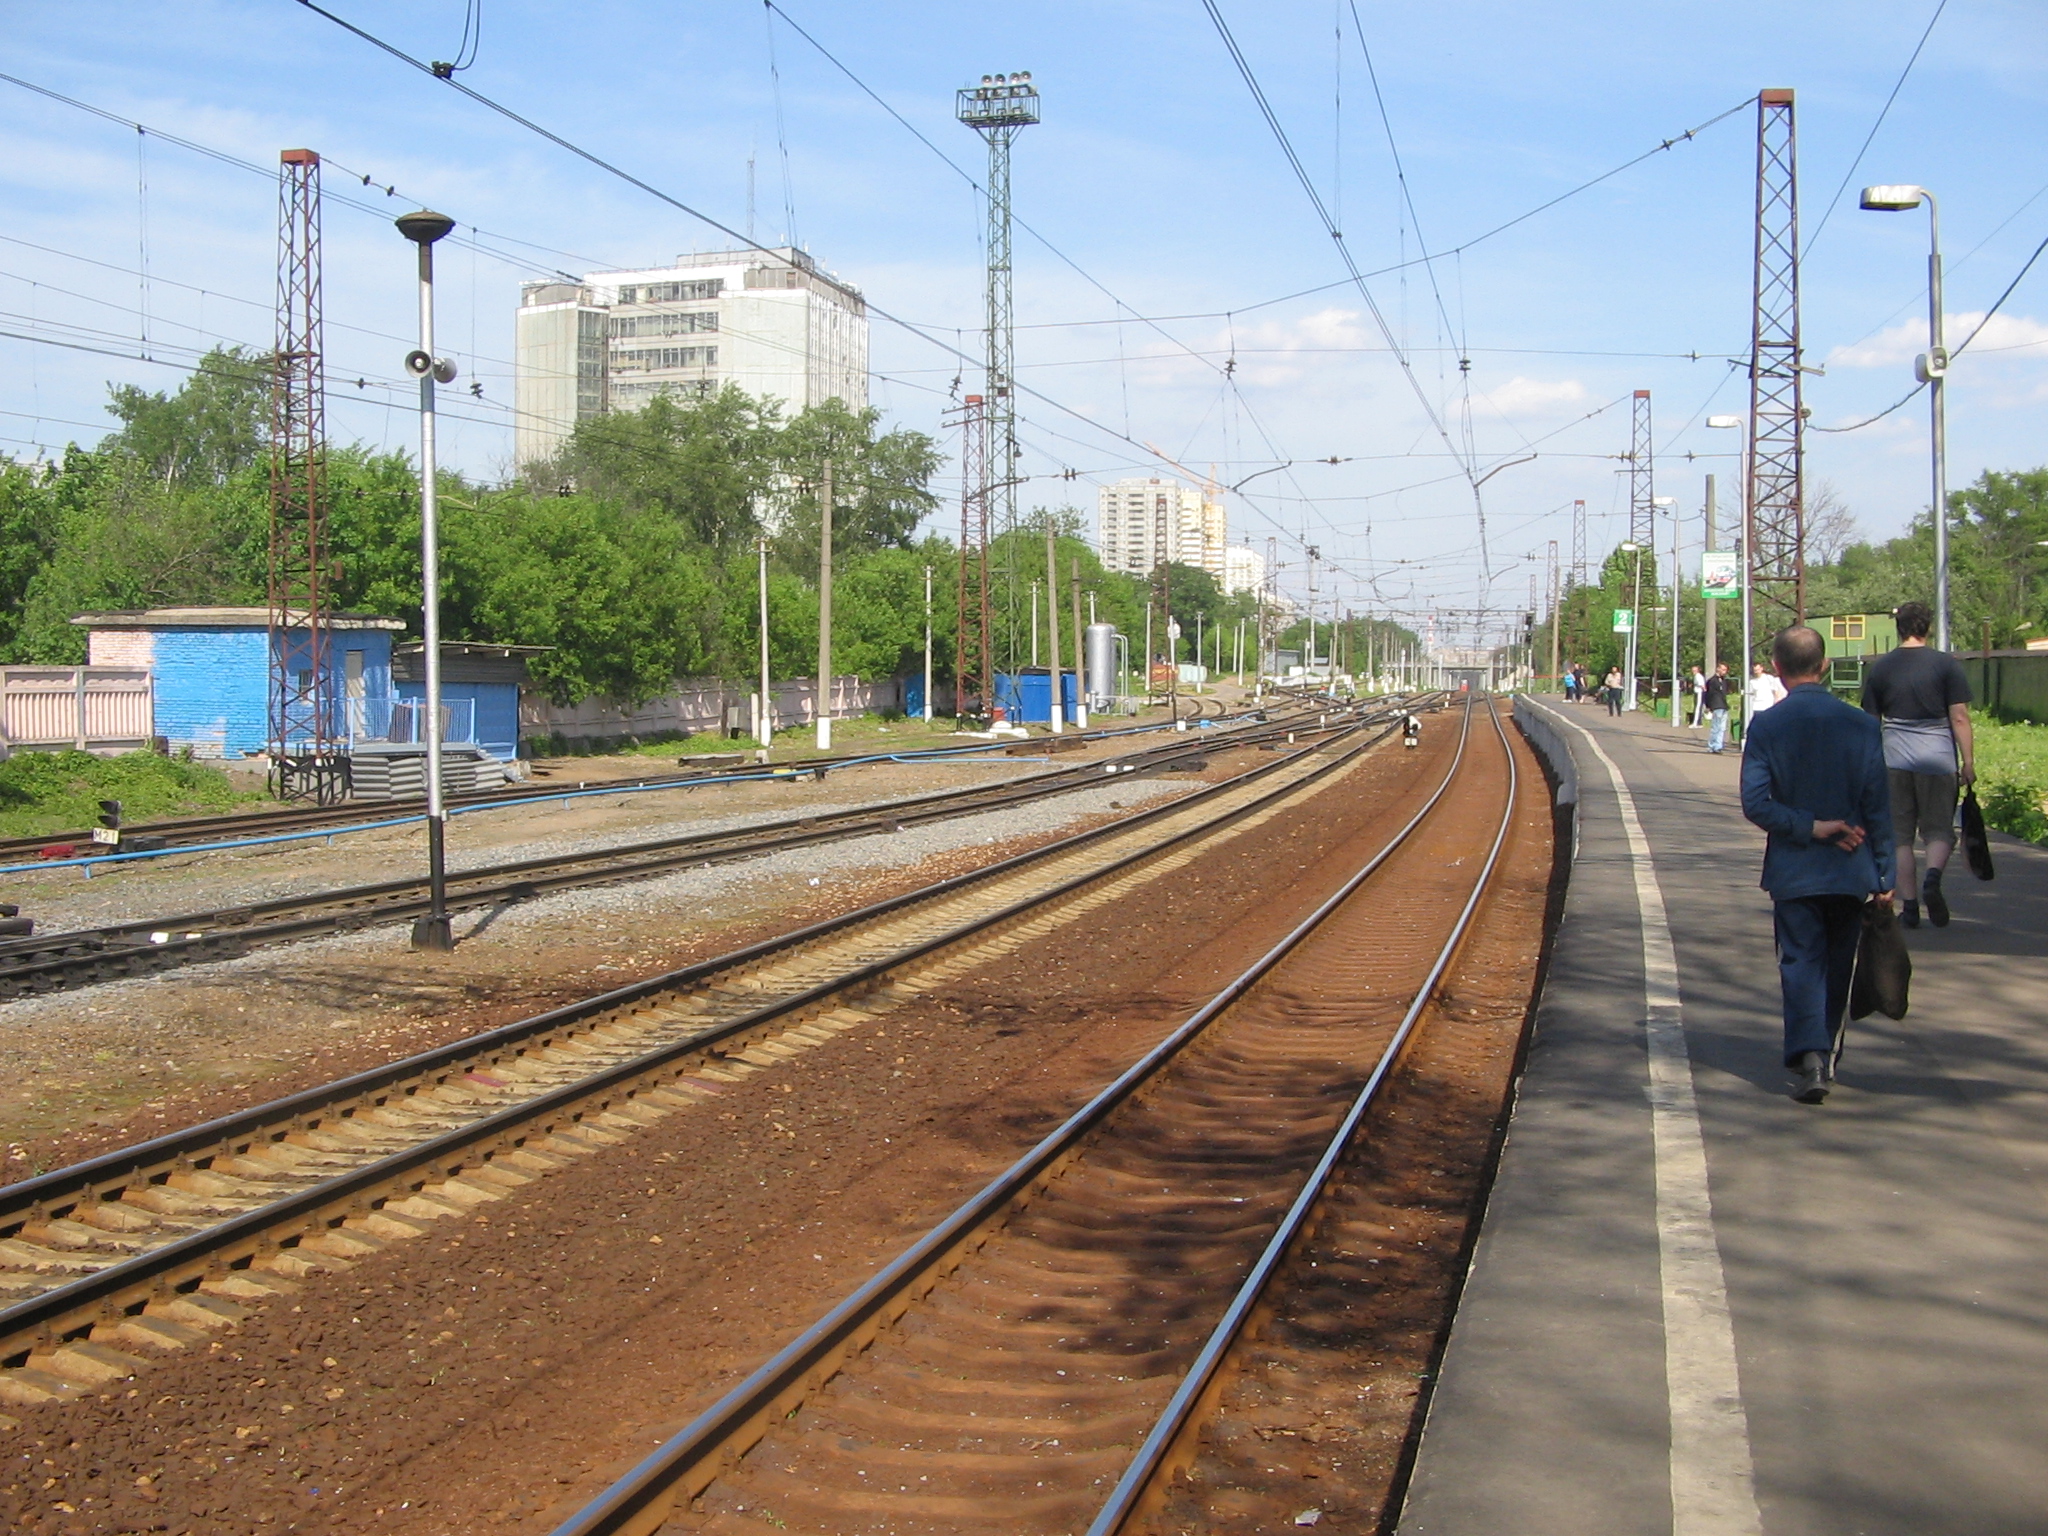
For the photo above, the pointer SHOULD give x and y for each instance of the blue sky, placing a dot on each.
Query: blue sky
(1153, 174)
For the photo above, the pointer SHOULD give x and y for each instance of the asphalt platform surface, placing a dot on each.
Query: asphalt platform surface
(1699, 1308)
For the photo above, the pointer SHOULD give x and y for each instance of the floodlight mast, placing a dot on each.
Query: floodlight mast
(996, 109)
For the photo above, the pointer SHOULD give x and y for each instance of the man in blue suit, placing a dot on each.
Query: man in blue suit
(1813, 777)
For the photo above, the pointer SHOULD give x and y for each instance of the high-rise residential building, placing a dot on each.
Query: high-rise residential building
(1244, 569)
(1135, 519)
(770, 323)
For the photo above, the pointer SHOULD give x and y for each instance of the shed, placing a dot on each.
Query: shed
(210, 671)
(480, 686)
(1026, 694)
(1854, 640)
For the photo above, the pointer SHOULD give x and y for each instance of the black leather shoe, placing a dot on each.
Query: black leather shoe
(1937, 905)
(1909, 913)
(1813, 1078)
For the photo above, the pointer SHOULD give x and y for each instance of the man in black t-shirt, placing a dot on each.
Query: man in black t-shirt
(1923, 699)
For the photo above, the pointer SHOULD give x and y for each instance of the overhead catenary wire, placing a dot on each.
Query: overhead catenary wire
(1883, 112)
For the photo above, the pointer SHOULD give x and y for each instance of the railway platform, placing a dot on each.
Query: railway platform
(1697, 1307)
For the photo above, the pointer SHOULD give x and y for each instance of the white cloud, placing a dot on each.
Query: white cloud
(1897, 346)
(1535, 397)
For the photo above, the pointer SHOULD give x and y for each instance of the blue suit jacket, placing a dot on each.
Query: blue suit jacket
(1809, 758)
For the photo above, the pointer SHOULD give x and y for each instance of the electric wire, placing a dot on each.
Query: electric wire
(1883, 112)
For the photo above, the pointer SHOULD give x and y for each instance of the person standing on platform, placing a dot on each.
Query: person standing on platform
(1764, 690)
(1696, 685)
(1813, 777)
(1923, 698)
(1612, 690)
(1571, 685)
(1714, 694)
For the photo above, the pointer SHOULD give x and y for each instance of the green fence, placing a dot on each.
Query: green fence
(2009, 685)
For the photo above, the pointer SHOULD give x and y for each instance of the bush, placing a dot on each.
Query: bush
(2012, 777)
(42, 792)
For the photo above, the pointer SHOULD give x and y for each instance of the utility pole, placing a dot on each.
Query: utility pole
(764, 718)
(1776, 503)
(997, 109)
(825, 611)
(1080, 651)
(1052, 618)
(306, 761)
(973, 652)
(927, 645)
(1580, 636)
(1034, 623)
(1642, 521)
(1556, 617)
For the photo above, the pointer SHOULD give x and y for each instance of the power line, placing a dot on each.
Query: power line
(1883, 112)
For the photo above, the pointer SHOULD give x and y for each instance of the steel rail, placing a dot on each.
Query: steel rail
(340, 818)
(677, 1471)
(1166, 1445)
(53, 962)
(130, 1286)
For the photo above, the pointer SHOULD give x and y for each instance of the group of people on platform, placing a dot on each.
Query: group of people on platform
(1843, 795)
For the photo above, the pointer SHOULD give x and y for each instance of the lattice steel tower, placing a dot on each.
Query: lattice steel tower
(973, 658)
(996, 109)
(306, 735)
(1776, 499)
(1642, 479)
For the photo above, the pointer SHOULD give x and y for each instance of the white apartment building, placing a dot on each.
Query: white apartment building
(771, 323)
(1244, 569)
(1133, 518)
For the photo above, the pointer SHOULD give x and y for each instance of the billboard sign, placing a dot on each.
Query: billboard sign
(1720, 574)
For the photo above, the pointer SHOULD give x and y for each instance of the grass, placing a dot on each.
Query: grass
(2012, 777)
(878, 733)
(44, 792)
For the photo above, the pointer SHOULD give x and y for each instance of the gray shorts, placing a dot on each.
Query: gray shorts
(1923, 805)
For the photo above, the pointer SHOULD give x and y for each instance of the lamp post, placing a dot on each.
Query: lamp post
(927, 645)
(1736, 423)
(1931, 369)
(1635, 622)
(423, 228)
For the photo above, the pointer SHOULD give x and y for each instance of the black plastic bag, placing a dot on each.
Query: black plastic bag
(1976, 843)
(1884, 971)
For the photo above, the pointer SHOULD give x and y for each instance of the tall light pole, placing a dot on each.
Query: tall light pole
(824, 710)
(423, 228)
(1742, 521)
(1931, 369)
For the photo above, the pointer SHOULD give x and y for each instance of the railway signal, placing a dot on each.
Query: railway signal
(109, 829)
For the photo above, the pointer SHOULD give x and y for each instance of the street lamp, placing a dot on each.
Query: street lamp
(1742, 522)
(1635, 620)
(1931, 369)
(423, 229)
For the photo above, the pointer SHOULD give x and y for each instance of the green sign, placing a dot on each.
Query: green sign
(1720, 574)
(1624, 621)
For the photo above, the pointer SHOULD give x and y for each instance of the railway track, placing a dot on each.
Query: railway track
(186, 831)
(155, 1244)
(54, 962)
(1040, 1360)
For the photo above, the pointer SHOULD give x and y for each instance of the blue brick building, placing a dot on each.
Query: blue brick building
(210, 671)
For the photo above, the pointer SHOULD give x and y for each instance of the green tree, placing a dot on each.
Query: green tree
(880, 483)
(213, 428)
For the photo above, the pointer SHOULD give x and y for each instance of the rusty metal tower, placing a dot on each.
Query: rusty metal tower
(1776, 472)
(973, 655)
(307, 738)
(1642, 478)
(997, 109)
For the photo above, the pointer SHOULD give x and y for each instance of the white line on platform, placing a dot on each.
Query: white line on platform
(1713, 1488)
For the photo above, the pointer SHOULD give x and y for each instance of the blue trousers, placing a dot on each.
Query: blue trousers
(1816, 952)
(1717, 729)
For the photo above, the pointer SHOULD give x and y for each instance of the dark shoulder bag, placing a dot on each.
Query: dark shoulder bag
(1884, 971)
(1976, 841)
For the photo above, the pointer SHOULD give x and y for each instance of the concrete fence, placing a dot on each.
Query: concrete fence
(702, 706)
(94, 709)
